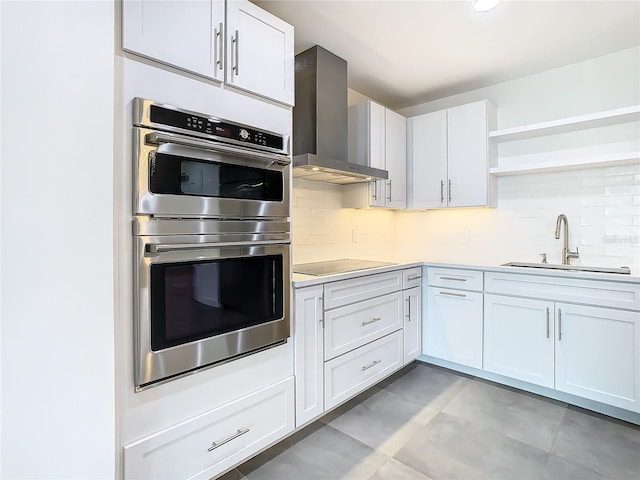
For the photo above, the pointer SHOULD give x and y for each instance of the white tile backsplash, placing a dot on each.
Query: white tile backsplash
(602, 205)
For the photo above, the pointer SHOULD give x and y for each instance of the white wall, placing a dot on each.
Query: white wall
(602, 204)
(57, 375)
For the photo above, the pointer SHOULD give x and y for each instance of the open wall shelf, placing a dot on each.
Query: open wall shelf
(597, 119)
(570, 164)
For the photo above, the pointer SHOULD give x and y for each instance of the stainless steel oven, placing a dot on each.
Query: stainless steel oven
(190, 164)
(211, 238)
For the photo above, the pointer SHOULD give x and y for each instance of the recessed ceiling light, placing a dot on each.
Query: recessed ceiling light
(484, 5)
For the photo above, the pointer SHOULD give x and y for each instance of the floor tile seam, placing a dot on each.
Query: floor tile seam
(499, 432)
(408, 399)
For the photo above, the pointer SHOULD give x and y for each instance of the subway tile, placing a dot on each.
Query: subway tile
(630, 169)
(623, 190)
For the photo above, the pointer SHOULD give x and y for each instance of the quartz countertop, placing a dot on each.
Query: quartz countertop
(300, 280)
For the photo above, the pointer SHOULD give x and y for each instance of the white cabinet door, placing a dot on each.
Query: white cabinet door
(308, 348)
(377, 138)
(519, 338)
(376, 149)
(260, 55)
(396, 159)
(184, 34)
(427, 160)
(412, 324)
(468, 160)
(453, 327)
(598, 354)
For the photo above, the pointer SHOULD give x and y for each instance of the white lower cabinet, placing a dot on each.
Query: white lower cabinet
(453, 328)
(308, 344)
(585, 350)
(412, 324)
(350, 334)
(207, 445)
(349, 374)
(519, 338)
(598, 354)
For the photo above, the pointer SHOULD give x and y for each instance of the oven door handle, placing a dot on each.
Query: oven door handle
(172, 247)
(159, 138)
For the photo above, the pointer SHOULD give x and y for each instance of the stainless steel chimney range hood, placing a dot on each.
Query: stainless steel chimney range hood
(320, 131)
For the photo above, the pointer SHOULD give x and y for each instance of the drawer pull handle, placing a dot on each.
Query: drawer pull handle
(413, 277)
(373, 320)
(454, 279)
(239, 433)
(451, 294)
(372, 364)
(408, 315)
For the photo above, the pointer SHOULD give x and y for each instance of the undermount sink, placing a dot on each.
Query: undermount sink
(576, 268)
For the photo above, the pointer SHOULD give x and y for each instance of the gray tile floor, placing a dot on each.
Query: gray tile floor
(425, 422)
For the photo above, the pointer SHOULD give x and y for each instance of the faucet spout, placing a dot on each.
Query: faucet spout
(567, 254)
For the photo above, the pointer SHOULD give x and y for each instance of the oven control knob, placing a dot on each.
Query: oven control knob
(244, 135)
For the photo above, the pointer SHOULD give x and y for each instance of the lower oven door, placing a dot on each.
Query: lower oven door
(200, 303)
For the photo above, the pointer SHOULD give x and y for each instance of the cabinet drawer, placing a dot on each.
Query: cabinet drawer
(454, 278)
(206, 445)
(592, 292)
(349, 327)
(411, 277)
(351, 373)
(345, 292)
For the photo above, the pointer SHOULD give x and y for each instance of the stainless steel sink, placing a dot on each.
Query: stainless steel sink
(569, 268)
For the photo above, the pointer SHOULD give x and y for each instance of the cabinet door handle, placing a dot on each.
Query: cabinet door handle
(239, 433)
(234, 43)
(374, 188)
(372, 364)
(559, 325)
(441, 191)
(321, 318)
(449, 190)
(454, 278)
(409, 314)
(389, 197)
(451, 294)
(217, 47)
(373, 320)
(547, 322)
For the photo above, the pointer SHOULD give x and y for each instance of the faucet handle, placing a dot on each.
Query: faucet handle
(575, 254)
(544, 257)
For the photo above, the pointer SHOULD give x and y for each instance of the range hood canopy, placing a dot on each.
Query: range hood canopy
(320, 123)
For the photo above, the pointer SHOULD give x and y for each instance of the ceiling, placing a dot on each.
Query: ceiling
(402, 53)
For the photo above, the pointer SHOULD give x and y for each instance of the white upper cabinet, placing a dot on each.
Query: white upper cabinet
(260, 55)
(396, 159)
(450, 157)
(185, 34)
(252, 50)
(378, 138)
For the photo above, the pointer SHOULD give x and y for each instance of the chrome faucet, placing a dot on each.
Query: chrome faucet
(566, 253)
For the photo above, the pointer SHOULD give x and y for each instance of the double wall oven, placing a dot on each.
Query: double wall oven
(211, 238)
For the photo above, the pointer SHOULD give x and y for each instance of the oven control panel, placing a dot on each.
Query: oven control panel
(166, 117)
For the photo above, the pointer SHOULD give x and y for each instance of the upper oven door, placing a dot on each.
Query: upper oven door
(179, 176)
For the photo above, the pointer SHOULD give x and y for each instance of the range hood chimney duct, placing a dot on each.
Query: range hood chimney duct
(320, 131)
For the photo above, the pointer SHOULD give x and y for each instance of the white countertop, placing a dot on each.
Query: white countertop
(300, 280)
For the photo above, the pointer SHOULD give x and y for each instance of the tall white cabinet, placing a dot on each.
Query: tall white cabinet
(378, 138)
(235, 42)
(449, 156)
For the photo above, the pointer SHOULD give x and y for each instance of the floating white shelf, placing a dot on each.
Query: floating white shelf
(598, 119)
(569, 164)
